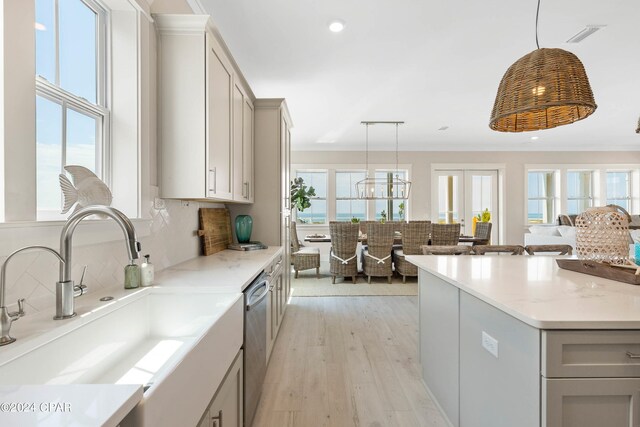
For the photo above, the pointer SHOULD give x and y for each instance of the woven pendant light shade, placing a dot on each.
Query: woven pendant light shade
(542, 90)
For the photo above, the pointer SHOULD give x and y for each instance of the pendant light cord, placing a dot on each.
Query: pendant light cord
(397, 149)
(366, 156)
(537, 14)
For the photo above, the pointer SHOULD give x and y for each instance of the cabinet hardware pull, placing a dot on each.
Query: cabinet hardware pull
(633, 355)
(217, 419)
(212, 173)
(246, 190)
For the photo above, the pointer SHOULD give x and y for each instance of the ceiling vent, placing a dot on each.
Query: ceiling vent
(586, 32)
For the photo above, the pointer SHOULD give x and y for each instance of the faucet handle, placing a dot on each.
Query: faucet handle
(80, 288)
(16, 314)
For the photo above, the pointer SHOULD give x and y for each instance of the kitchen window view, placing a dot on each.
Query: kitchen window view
(71, 108)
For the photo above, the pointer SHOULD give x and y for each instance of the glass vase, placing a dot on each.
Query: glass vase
(244, 224)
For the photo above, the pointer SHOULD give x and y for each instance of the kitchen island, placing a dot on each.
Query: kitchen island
(516, 341)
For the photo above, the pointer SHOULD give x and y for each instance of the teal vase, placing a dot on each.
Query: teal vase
(244, 224)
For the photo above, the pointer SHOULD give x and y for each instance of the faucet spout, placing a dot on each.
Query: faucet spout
(66, 236)
(65, 287)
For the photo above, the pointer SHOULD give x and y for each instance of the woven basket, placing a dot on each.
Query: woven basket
(602, 235)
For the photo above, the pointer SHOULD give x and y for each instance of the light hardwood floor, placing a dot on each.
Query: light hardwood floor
(347, 361)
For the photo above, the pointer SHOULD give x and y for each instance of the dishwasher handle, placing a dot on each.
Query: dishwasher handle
(253, 302)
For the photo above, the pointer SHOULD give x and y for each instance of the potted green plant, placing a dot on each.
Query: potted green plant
(301, 195)
(383, 216)
(355, 220)
(401, 211)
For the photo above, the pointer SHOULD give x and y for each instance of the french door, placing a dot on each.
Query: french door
(459, 195)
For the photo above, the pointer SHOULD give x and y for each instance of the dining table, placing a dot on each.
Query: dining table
(325, 238)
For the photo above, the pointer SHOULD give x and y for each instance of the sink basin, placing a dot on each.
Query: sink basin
(170, 340)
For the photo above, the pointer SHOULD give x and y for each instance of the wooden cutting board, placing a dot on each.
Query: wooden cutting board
(215, 229)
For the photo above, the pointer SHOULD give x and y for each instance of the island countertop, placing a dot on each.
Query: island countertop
(536, 291)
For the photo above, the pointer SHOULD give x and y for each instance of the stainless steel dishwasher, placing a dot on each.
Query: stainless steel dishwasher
(255, 343)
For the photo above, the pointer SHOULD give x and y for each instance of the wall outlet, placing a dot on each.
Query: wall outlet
(490, 344)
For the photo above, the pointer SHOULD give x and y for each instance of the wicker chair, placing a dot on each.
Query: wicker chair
(343, 260)
(303, 257)
(446, 250)
(498, 249)
(414, 235)
(376, 259)
(549, 249)
(445, 234)
(483, 231)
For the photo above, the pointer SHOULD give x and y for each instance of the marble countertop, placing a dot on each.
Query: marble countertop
(67, 405)
(228, 270)
(536, 291)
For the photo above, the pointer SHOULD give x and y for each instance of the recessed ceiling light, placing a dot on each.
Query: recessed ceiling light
(534, 138)
(336, 26)
(40, 27)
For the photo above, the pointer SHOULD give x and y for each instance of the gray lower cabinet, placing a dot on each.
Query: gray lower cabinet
(439, 342)
(591, 402)
(226, 406)
(499, 367)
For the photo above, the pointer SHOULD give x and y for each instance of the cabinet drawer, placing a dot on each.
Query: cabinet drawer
(275, 264)
(584, 402)
(591, 354)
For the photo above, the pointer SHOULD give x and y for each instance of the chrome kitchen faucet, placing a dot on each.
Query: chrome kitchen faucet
(65, 288)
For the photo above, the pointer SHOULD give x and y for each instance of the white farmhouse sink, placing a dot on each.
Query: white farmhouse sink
(177, 342)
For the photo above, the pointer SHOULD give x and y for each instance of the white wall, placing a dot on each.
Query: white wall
(421, 161)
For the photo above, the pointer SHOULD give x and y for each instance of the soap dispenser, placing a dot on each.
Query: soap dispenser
(131, 276)
(146, 272)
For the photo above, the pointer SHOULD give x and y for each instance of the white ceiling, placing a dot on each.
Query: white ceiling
(431, 64)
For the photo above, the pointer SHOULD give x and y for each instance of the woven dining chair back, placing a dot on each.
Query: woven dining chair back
(343, 261)
(303, 257)
(376, 260)
(483, 231)
(295, 243)
(549, 249)
(414, 235)
(445, 234)
(498, 249)
(446, 250)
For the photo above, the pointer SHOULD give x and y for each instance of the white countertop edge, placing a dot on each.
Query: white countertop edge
(536, 323)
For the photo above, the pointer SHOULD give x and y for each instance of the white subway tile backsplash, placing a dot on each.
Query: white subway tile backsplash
(170, 239)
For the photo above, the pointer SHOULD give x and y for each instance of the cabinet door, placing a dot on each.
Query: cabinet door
(247, 150)
(239, 191)
(611, 402)
(220, 95)
(227, 406)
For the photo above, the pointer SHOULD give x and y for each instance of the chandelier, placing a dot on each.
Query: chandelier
(543, 89)
(385, 188)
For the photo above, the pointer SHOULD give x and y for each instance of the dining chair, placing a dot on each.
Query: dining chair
(303, 257)
(376, 259)
(445, 234)
(497, 249)
(549, 249)
(483, 232)
(343, 259)
(446, 249)
(415, 234)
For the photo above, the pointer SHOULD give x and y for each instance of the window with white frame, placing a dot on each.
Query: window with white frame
(317, 212)
(348, 205)
(618, 188)
(71, 108)
(579, 191)
(391, 209)
(541, 197)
